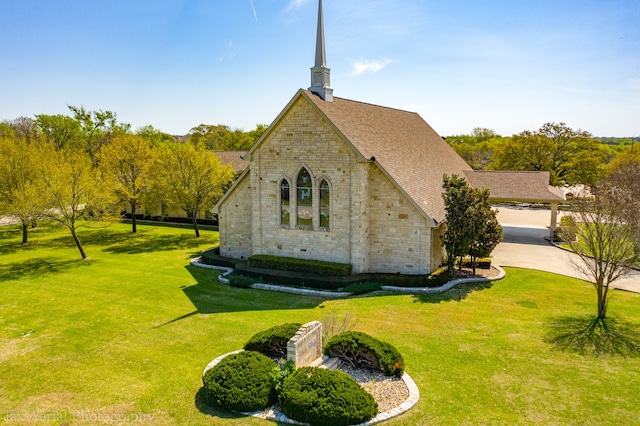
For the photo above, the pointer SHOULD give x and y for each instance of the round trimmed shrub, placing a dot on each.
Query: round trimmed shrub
(273, 342)
(324, 397)
(241, 382)
(359, 350)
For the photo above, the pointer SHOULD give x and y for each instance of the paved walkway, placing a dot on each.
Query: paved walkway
(524, 246)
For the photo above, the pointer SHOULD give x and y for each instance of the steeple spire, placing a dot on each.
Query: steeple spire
(320, 73)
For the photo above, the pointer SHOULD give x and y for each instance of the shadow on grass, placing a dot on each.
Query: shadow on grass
(129, 243)
(456, 294)
(37, 267)
(209, 296)
(205, 407)
(594, 336)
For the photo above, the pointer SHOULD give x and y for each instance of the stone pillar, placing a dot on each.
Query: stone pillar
(306, 346)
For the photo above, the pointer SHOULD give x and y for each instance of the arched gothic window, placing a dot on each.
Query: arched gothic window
(285, 216)
(324, 204)
(304, 188)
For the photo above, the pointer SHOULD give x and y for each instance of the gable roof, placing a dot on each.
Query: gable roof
(515, 186)
(403, 145)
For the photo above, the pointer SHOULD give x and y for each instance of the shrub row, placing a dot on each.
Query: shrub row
(360, 350)
(482, 263)
(273, 342)
(300, 265)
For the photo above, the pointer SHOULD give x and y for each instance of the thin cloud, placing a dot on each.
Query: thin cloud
(254, 10)
(295, 4)
(364, 66)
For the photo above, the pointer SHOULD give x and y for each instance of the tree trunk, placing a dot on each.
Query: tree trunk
(79, 244)
(25, 232)
(134, 228)
(602, 302)
(195, 224)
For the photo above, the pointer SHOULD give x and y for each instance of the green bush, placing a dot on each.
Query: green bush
(359, 350)
(241, 281)
(241, 382)
(362, 288)
(482, 263)
(300, 265)
(273, 342)
(325, 397)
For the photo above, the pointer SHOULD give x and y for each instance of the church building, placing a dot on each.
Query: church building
(342, 181)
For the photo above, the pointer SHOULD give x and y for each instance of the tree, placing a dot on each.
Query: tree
(485, 227)
(472, 226)
(623, 179)
(60, 130)
(96, 128)
(24, 127)
(223, 138)
(74, 191)
(20, 189)
(125, 161)
(155, 137)
(604, 243)
(570, 156)
(190, 178)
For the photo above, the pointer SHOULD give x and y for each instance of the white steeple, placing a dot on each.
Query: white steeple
(320, 73)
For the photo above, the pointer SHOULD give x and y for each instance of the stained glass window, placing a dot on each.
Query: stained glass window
(324, 204)
(304, 189)
(285, 218)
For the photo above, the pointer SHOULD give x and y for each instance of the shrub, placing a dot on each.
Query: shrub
(359, 350)
(241, 382)
(273, 342)
(482, 263)
(362, 288)
(325, 397)
(300, 265)
(281, 372)
(241, 281)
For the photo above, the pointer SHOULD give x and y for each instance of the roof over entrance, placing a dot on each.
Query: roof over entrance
(530, 187)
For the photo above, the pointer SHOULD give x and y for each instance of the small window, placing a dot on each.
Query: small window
(285, 217)
(324, 204)
(305, 199)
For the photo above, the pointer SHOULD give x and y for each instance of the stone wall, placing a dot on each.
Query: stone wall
(373, 225)
(234, 219)
(306, 346)
(399, 238)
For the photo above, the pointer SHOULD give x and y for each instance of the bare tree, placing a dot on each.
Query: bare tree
(603, 241)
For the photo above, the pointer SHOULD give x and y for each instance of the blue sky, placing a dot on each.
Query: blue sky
(508, 65)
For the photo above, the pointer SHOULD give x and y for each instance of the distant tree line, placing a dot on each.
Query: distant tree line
(570, 156)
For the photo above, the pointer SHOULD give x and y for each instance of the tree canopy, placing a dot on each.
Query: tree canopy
(570, 156)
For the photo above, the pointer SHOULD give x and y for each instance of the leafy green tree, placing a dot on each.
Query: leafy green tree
(486, 228)
(472, 226)
(155, 137)
(190, 178)
(223, 138)
(60, 130)
(570, 156)
(20, 187)
(74, 191)
(96, 128)
(125, 161)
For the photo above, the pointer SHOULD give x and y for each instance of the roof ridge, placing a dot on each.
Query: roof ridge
(367, 103)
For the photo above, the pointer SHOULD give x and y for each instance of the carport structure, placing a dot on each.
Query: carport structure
(521, 187)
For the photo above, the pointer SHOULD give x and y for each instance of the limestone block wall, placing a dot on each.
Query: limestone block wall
(399, 238)
(306, 345)
(235, 222)
(437, 250)
(303, 139)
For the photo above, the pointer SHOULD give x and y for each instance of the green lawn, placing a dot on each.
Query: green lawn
(124, 336)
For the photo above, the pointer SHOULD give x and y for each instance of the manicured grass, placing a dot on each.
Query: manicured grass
(127, 333)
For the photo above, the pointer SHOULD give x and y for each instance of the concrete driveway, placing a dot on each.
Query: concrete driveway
(524, 246)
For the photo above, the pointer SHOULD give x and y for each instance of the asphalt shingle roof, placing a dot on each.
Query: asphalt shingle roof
(403, 144)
